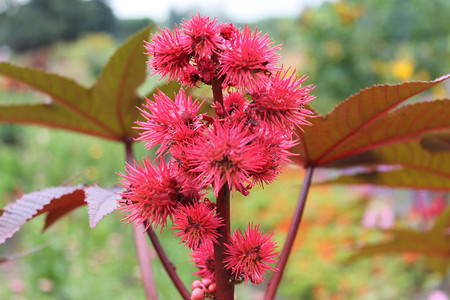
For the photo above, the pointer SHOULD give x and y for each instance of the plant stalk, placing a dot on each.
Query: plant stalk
(142, 249)
(224, 286)
(292, 233)
(168, 266)
(217, 92)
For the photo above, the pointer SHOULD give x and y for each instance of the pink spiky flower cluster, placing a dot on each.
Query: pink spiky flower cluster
(258, 107)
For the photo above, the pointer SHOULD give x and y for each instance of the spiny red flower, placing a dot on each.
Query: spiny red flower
(228, 31)
(225, 154)
(250, 254)
(203, 259)
(201, 36)
(275, 144)
(170, 55)
(249, 61)
(169, 122)
(190, 76)
(235, 104)
(153, 193)
(206, 69)
(197, 224)
(282, 100)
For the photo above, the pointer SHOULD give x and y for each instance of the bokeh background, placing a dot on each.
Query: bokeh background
(344, 46)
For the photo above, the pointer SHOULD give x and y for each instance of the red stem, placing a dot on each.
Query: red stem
(224, 286)
(168, 266)
(217, 93)
(129, 156)
(293, 229)
(142, 249)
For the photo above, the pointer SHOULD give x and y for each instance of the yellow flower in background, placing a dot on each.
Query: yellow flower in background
(402, 69)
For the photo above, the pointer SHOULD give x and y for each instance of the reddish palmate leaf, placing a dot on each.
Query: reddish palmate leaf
(106, 110)
(333, 136)
(101, 202)
(407, 123)
(415, 167)
(56, 201)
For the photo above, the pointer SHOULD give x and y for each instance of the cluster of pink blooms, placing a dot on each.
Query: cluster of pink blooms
(247, 141)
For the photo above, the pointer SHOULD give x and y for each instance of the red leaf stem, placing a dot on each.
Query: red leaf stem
(142, 249)
(292, 233)
(168, 266)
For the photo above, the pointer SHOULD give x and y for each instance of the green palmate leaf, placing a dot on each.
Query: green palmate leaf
(418, 167)
(331, 136)
(67, 108)
(106, 110)
(435, 244)
(117, 84)
(52, 115)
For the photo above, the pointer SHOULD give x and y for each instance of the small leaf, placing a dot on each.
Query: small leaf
(33, 204)
(101, 202)
(436, 142)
